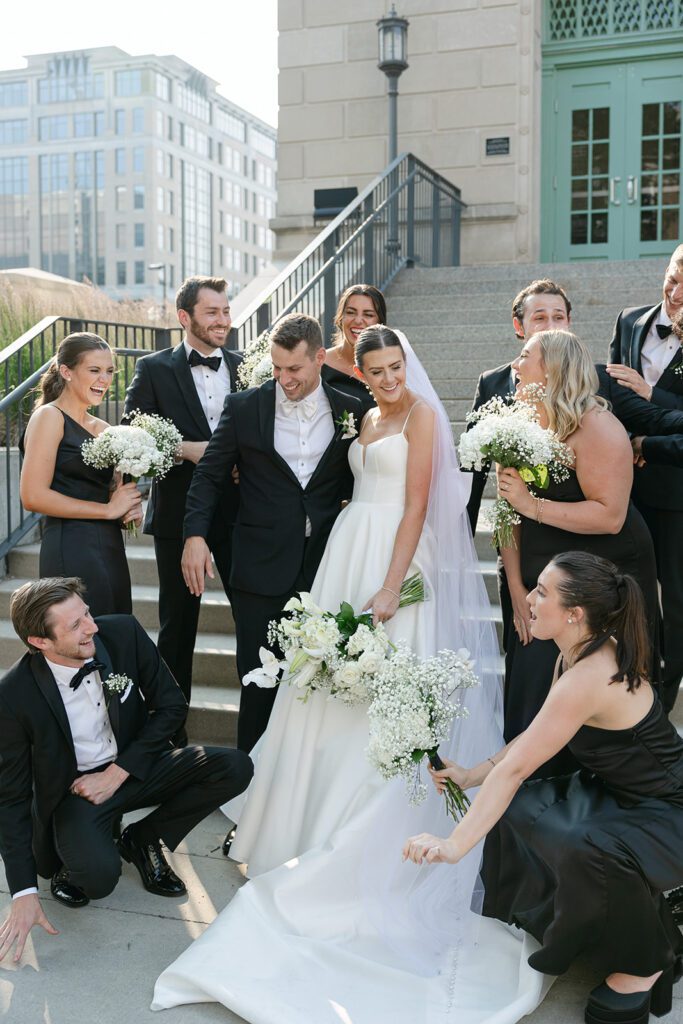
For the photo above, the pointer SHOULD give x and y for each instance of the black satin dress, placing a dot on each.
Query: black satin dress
(347, 384)
(581, 861)
(529, 670)
(90, 548)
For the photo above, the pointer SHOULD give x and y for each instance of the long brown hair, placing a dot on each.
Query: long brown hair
(375, 296)
(68, 354)
(614, 606)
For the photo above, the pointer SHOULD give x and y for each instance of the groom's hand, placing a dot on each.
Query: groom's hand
(25, 913)
(99, 786)
(195, 564)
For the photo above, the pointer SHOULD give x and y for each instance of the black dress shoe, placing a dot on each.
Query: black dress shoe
(67, 893)
(155, 871)
(228, 841)
(605, 1006)
(675, 901)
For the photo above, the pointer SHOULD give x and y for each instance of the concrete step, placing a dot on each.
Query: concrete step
(628, 272)
(212, 718)
(499, 320)
(479, 343)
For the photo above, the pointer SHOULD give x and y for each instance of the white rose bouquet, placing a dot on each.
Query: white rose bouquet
(256, 367)
(511, 435)
(411, 712)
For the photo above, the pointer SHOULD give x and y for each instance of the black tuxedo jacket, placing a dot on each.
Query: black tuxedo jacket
(498, 381)
(163, 384)
(269, 547)
(660, 487)
(37, 759)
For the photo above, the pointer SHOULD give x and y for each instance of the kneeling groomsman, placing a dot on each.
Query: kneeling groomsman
(86, 719)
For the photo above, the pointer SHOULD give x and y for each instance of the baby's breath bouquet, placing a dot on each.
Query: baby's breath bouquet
(256, 367)
(510, 434)
(411, 712)
(166, 435)
(339, 653)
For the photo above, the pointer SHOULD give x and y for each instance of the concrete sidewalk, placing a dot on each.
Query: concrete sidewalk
(101, 969)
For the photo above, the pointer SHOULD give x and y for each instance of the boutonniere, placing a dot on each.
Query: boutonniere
(117, 684)
(347, 425)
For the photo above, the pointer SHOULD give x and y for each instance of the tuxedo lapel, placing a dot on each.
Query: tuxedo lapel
(639, 333)
(266, 415)
(233, 365)
(183, 373)
(671, 379)
(48, 687)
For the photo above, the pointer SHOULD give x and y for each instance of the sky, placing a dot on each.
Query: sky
(232, 41)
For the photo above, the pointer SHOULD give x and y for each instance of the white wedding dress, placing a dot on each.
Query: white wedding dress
(336, 929)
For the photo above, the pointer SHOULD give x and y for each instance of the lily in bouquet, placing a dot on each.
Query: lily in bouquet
(340, 653)
(510, 434)
(411, 712)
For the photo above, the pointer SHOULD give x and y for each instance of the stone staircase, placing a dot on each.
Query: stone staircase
(459, 321)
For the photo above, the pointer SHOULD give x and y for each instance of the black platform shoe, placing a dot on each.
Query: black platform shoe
(605, 1006)
(65, 891)
(155, 871)
(228, 841)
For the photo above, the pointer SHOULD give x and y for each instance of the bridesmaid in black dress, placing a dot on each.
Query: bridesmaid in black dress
(590, 511)
(360, 306)
(581, 861)
(83, 514)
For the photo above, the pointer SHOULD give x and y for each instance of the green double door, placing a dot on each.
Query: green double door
(612, 169)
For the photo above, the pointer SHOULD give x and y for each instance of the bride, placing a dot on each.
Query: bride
(334, 928)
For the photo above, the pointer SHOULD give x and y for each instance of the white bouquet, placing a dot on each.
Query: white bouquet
(411, 712)
(256, 367)
(166, 435)
(511, 435)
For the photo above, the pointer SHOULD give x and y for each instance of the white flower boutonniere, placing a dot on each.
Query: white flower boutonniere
(117, 684)
(347, 422)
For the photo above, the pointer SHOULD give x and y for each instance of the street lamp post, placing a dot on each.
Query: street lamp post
(393, 61)
(161, 267)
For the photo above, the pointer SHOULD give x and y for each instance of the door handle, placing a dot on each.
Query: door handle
(632, 189)
(613, 182)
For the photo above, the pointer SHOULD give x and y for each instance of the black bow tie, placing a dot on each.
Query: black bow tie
(85, 670)
(663, 330)
(196, 359)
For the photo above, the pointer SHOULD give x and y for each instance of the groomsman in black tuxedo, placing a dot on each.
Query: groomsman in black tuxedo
(188, 385)
(86, 719)
(290, 444)
(645, 357)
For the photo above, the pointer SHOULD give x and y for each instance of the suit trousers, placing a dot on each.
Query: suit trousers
(187, 785)
(179, 609)
(666, 527)
(253, 612)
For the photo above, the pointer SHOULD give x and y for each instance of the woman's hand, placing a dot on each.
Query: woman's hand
(134, 516)
(521, 614)
(123, 499)
(384, 606)
(430, 848)
(460, 776)
(515, 491)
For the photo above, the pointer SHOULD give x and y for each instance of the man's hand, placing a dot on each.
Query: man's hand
(25, 913)
(99, 786)
(193, 450)
(637, 445)
(630, 378)
(195, 564)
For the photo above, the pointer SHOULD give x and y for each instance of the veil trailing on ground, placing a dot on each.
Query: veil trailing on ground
(423, 912)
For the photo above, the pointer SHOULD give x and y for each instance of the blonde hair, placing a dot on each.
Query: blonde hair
(572, 381)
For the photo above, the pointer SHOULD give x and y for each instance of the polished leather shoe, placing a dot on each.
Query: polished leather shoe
(155, 871)
(675, 901)
(64, 890)
(228, 841)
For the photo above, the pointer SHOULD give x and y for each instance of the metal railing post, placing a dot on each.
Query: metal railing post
(410, 215)
(455, 234)
(329, 288)
(436, 226)
(369, 243)
(162, 338)
(262, 318)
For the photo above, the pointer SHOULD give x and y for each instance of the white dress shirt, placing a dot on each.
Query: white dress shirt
(212, 386)
(91, 731)
(657, 353)
(303, 431)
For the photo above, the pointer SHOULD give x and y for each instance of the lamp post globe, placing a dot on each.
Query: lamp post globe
(393, 61)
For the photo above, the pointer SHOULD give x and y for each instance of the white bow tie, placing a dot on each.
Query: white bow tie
(307, 406)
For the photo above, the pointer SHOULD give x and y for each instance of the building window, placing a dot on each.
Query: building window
(263, 143)
(236, 162)
(160, 124)
(221, 259)
(121, 273)
(170, 202)
(138, 158)
(56, 127)
(162, 87)
(139, 236)
(13, 131)
(13, 94)
(120, 198)
(138, 120)
(128, 83)
(14, 212)
(231, 124)
(120, 161)
(193, 102)
(85, 125)
(120, 122)
(171, 244)
(160, 237)
(160, 162)
(160, 199)
(139, 271)
(237, 227)
(171, 276)
(121, 240)
(70, 78)
(138, 197)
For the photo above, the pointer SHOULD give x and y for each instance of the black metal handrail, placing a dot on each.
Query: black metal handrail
(409, 215)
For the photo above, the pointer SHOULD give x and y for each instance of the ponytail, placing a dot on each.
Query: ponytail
(52, 384)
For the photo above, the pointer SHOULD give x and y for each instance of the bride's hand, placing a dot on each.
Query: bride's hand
(431, 849)
(384, 606)
(459, 775)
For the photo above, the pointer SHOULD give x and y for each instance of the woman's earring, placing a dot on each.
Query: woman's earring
(570, 619)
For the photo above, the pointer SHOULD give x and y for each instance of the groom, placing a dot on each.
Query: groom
(290, 440)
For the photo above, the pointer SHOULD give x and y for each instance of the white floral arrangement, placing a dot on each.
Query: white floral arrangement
(411, 712)
(339, 654)
(166, 435)
(256, 367)
(114, 684)
(347, 424)
(510, 434)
